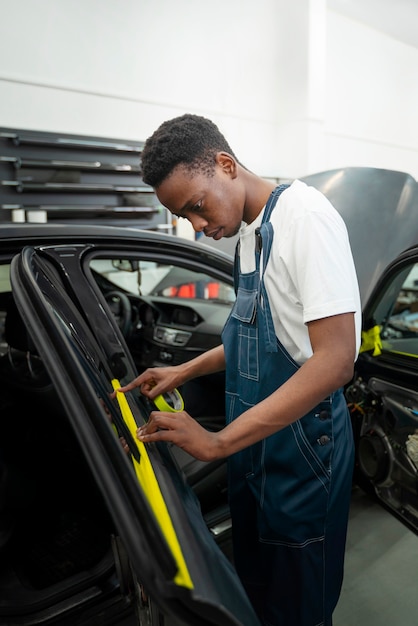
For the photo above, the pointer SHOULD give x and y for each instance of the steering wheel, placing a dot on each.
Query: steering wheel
(121, 308)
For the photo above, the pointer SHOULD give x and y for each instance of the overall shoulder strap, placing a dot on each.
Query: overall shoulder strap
(271, 203)
(265, 231)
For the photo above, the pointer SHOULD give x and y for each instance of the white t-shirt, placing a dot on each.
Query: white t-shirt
(310, 273)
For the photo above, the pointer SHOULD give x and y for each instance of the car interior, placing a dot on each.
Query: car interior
(383, 398)
(55, 531)
(56, 535)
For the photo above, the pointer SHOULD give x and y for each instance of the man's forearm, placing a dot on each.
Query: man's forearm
(207, 363)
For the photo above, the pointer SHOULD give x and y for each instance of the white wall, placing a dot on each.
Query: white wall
(371, 99)
(295, 88)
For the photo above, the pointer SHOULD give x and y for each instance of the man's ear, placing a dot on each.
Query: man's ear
(227, 163)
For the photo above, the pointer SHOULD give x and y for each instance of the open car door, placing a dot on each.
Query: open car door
(173, 559)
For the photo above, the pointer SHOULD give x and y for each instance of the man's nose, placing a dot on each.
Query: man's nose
(198, 223)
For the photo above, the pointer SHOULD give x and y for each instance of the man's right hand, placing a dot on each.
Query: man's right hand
(154, 381)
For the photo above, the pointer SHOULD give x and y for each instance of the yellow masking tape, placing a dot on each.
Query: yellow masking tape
(170, 401)
(370, 340)
(148, 481)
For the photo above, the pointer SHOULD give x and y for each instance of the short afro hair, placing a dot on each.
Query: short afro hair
(190, 140)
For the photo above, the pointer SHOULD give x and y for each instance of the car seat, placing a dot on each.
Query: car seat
(21, 368)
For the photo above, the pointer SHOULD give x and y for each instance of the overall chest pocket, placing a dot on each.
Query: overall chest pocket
(245, 311)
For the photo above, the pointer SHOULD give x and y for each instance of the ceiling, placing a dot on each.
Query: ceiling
(396, 18)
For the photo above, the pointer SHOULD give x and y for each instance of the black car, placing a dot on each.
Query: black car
(380, 208)
(90, 534)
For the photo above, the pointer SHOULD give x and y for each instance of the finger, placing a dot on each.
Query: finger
(147, 389)
(159, 435)
(145, 380)
(124, 444)
(154, 390)
(132, 385)
(158, 420)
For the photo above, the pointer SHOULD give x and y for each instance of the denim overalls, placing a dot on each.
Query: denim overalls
(289, 493)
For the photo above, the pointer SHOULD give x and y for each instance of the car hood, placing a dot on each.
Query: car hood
(380, 209)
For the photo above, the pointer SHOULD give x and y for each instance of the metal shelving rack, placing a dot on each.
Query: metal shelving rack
(61, 178)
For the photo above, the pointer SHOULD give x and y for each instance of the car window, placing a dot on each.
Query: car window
(5, 290)
(399, 327)
(148, 278)
(5, 278)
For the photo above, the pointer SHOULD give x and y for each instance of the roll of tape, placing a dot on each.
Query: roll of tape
(170, 401)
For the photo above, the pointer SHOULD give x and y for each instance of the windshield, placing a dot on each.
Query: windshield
(148, 278)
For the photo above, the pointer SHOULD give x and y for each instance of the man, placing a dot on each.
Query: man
(288, 348)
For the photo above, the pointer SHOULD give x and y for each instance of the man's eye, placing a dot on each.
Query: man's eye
(197, 207)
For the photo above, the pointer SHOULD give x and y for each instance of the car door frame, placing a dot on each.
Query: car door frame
(73, 386)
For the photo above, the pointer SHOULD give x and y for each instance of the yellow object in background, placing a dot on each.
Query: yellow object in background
(370, 340)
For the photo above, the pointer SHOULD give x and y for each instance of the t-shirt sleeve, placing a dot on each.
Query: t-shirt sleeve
(321, 266)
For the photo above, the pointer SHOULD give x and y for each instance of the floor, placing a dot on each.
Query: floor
(381, 569)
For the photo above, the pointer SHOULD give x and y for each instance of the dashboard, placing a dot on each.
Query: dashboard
(169, 332)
